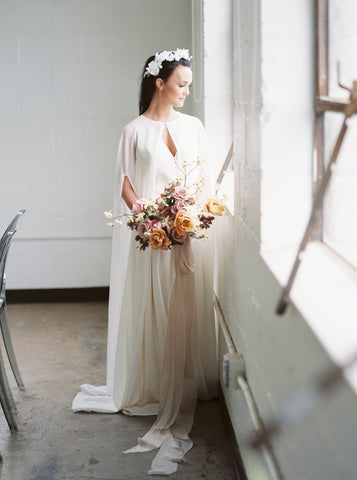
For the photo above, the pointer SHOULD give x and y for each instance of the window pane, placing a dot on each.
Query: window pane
(340, 212)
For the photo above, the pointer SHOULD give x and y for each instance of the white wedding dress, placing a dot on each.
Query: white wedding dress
(161, 352)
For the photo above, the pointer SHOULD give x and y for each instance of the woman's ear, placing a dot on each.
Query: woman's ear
(159, 83)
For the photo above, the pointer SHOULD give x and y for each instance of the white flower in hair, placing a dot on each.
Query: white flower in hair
(160, 56)
(152, 69)
(182, 53)
(165, 55)
(155, 65)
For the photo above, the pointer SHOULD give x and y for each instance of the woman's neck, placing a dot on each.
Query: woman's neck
(161, 113)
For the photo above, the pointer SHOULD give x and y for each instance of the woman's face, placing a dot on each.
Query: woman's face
(175, 90)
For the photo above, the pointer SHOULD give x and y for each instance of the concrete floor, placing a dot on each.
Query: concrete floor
(58, 347)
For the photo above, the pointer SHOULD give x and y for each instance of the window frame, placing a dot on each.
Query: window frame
(323, 104)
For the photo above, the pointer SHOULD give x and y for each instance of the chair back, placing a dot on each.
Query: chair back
(12, 225)
(4, 249)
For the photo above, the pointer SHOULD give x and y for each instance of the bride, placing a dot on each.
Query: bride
(161, 353)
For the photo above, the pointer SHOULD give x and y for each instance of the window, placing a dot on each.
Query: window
(340, 213)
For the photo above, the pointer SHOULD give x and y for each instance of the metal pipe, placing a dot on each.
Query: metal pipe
(248, 396)
(265, 448)
(223, 325)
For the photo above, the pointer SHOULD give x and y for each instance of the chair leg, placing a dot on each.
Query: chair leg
(9, 348)
(6, 387)
(8, 413)
(7, 402)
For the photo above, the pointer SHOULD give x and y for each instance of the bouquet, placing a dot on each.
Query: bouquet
(172, 217)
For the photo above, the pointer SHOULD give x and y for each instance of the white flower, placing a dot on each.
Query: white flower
(160, 57)
(155, 65)
(182, 53)
(153, 68)
(165, 222)
(111, 219)
(170, 56)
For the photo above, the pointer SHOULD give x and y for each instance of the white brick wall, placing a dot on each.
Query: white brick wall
(69, 77)
(273, 140)
(218, 79)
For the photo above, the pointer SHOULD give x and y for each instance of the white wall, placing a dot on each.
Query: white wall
(69, 77)
(218, 79)
(273, 140)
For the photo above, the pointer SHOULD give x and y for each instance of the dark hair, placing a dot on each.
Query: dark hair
(148, 83)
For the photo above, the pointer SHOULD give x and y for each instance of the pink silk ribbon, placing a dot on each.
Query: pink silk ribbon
(178, 388)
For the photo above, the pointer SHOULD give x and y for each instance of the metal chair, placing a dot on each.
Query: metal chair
(6, 398)
(12, 225)
(3, 313)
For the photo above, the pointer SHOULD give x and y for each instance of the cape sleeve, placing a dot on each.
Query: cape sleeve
(125, 167)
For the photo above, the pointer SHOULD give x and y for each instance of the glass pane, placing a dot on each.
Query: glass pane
(340, 212)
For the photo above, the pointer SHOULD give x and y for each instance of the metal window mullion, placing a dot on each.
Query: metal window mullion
(321, 89)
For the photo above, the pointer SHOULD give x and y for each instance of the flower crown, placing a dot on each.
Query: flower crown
(155, 65)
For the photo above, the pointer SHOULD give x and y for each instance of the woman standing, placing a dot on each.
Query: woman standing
(161, 340)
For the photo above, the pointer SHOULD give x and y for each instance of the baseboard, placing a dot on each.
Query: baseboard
(58, 295)
(232, 441)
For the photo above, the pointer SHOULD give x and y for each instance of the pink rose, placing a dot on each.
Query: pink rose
(180, 193)
(176, 237)
(155, 224)
(139, 206)
(142, 228)
(166, 211)
(179, 205)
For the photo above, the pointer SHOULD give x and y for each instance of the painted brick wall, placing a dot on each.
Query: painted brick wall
(69, 77)
(273, 143)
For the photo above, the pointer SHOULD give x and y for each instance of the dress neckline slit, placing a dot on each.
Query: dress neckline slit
(169, 142)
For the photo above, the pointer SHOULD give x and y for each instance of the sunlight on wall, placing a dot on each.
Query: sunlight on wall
(287, 124)
(273, 132)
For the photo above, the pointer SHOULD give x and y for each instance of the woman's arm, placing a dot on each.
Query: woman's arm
(128, 193)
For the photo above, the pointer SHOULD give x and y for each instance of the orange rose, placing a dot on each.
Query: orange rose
(215, 207)
(158, 240)
(183, 222)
